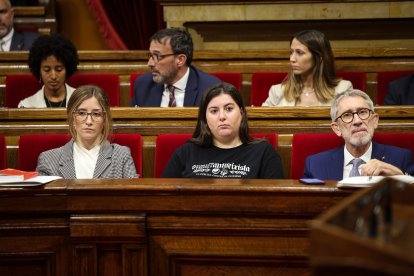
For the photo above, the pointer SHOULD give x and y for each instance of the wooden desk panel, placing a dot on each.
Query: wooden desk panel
(161, 226)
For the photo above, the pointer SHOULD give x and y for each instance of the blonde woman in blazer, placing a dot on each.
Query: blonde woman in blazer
(89, 154)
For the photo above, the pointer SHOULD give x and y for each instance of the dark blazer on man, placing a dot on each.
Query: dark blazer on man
(330, 164)
(401, 91)
(22, 41)
(148, 93)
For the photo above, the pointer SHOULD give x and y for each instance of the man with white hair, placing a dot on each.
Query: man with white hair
(10, 40)
(354, 119)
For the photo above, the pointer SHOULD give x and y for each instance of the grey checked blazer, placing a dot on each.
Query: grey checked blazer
(114, 161)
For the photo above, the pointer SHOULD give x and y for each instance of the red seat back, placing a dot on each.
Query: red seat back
(304, 145)
(261, 83)
(3, 152)
(31, 146)
(19, 87)
(166, 144)
(384, 79)
(132, 78)
(134, 143)
(402, 140)
(233, 78)
(108, 82)
(358, 79)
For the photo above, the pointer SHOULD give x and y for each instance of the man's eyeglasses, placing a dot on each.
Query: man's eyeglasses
(4, 11)
(158, 57)
(348, 117)
(81, 116)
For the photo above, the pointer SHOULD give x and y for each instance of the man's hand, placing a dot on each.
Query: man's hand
(376, 167)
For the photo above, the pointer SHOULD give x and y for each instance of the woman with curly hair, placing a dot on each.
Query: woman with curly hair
(312, 79)
(52, 60)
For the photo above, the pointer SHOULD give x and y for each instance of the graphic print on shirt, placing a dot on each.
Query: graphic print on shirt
(224, 170)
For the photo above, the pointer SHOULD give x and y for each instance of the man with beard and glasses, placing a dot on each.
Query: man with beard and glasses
(354, 119)
(173, 81)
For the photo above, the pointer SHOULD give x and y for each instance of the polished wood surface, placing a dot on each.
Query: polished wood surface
(369, 233)
(42, 18)
(149, 122)
(160, 227)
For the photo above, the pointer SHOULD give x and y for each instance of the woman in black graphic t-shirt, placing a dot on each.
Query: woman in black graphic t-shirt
(221, 145)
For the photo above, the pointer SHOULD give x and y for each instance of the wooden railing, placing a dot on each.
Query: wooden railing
(149, 122)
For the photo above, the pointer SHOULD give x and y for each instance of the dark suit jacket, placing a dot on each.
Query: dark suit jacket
(401, 91)
(148, 93)
(330, 164)
(22, 41)
(410, 170)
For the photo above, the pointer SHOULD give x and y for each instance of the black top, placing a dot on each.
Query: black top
(256, 160)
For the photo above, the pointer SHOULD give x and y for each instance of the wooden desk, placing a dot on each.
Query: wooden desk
(160, 227)
(369, 233)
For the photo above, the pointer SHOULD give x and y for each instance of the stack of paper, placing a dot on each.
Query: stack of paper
(359, 181)
(10, 178)
(18, 178)
(365, 181)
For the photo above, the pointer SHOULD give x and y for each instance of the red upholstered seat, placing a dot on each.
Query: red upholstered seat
(270, 137)
(108, 82)
(402, 140)
(3, 152)
(19, 87)
(132, 78)
(233, 78)
(134, 143)
(31, 146)
(304, 145)
(166, 144)
(358, 79)
(261, 83)
(384, 79)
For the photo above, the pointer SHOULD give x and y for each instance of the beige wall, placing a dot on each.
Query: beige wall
(77, 23)
(269, 25)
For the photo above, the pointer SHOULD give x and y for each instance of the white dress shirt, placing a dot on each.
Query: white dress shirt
(348, 160)
(6, 41)
(179, 91)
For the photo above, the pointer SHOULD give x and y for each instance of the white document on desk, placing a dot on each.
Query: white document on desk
(366, 181)
(359, 181)
(31, 182)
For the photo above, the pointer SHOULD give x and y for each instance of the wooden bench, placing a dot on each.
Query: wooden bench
(369, 60)
(150, 122)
